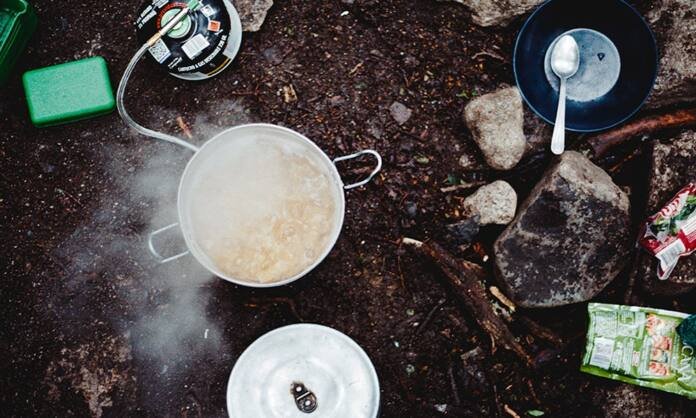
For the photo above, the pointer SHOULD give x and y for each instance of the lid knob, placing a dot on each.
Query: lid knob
(305, 399)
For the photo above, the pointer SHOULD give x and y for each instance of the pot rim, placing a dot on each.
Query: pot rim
(199, 254)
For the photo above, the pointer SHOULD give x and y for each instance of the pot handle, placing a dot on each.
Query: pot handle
(358, 154)
(151, 246)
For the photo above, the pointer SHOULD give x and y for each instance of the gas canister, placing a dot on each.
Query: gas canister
(200, 45)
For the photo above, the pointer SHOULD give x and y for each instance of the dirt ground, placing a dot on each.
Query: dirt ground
(81, 300)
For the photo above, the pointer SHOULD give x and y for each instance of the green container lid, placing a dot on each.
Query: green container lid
(17, 24)
(68, 92)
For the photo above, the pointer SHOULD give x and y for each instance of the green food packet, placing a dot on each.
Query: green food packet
(639, 346)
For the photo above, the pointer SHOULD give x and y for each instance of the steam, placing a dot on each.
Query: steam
(109, 276)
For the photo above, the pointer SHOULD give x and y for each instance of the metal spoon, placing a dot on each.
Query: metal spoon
(565, 60)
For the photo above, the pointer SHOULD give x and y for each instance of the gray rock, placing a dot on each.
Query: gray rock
(673, 166)
(252, 13)
(273, 55)
(463, 232)
(497, 12)
(411, 209)
(400, 112)
(569, 239)
(632, 401)
(674, 24)
(471, 159)
(494, 203)
(496, 121)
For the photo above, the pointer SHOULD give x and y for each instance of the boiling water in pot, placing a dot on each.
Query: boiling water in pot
(264, 209)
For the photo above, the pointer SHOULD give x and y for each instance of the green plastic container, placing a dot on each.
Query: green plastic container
(68, 92)
(17, 24)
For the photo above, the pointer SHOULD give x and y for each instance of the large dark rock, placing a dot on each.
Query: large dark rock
(673, 166)
(674, 24)
(570, 237)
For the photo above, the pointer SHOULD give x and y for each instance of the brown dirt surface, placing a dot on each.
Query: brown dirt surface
(92, 326)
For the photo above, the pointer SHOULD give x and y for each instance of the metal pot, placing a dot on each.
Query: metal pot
(208, 151)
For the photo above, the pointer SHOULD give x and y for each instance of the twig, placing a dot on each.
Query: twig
(289, 94)
(458, 323)
(355, 69)
(242, 93)
(453, 385)
(626, 159)
(496, 400)
(540, 331)
(184, 127)
(398, 265)
(489, 54)
(464, 186)
(533, 392)
(73, 198)
(510, 411)
(464, 280)
(644, 126)
(502, 298)
(430, 315)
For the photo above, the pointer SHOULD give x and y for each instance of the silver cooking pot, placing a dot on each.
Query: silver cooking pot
(208, 151)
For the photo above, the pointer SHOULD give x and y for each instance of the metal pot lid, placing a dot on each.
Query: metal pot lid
(303, 371)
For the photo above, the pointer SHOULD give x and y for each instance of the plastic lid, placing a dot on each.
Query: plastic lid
(303, 371)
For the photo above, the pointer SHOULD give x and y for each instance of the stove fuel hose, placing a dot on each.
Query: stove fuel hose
(121, 92)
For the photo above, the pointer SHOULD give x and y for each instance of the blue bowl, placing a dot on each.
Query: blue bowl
(607, 90)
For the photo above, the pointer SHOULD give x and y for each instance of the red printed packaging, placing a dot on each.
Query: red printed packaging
(671, 232)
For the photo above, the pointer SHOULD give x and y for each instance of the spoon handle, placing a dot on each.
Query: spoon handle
(558, 138)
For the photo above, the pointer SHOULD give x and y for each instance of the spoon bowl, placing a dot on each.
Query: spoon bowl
(565, 57)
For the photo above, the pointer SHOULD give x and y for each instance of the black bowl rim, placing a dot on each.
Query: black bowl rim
(631, 114)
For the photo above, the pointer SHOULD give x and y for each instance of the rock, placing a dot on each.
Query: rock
(494, 203)
(497, 12)
(467, 162)
(252, 13)
(336, 101)
(463, 232)
(273, 55)
(570, 238)
(633, 401)
(496, 122)
(673, 166)
(400, 112)
(674, 24)
(411, 209)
